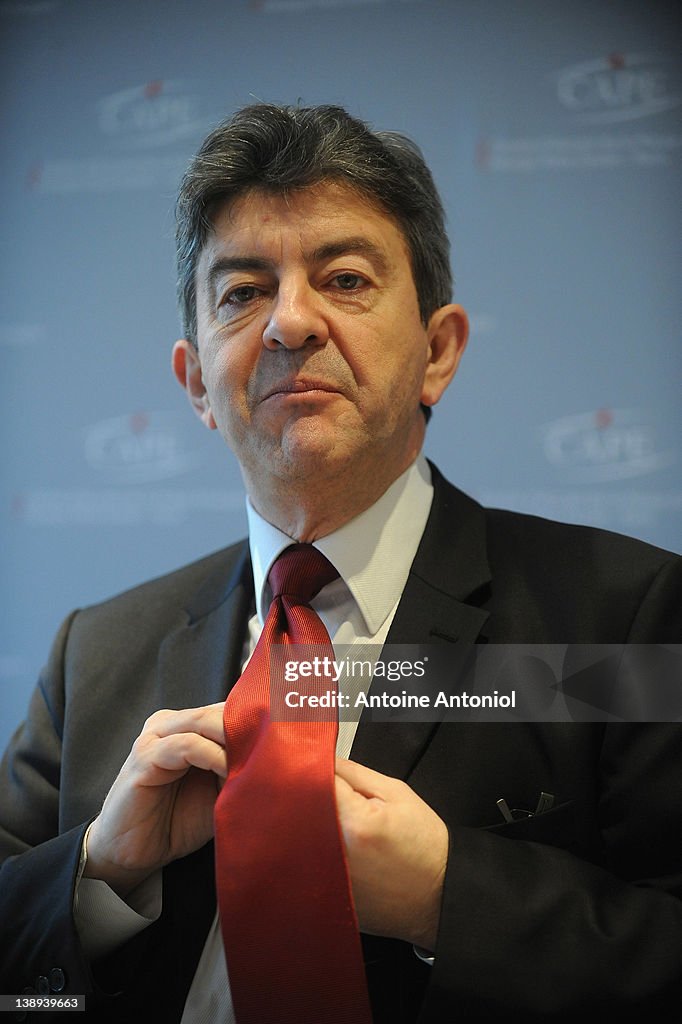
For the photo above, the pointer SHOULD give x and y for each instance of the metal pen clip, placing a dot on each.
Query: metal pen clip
(545, 803)
(504, 810)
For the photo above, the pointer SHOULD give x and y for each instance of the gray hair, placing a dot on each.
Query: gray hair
(279, 149)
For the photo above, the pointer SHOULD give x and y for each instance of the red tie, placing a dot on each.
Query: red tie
(286, 909)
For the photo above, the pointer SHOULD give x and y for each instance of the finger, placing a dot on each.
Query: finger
(346, 796)
(204, 721)
(177, 754)
(365, 780)
(351, 808)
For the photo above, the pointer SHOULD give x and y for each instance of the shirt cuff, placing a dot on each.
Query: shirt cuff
(103, 920)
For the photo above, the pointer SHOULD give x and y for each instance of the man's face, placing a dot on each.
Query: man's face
(311, 353)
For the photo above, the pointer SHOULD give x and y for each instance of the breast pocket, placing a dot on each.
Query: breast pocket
(556, 827)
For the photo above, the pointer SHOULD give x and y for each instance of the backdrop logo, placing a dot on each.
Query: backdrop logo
(139, 448)
(620, 87)
(610, 444)
(154, 114)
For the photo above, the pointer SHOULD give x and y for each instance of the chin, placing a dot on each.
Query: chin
(314, 447)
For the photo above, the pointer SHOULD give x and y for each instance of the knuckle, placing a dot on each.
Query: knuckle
(359, 832)
(156, 719)
(202, 714)
(141, 745)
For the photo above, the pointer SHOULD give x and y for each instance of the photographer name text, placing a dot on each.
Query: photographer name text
(334, 699)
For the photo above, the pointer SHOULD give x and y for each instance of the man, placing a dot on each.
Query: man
(315, 288)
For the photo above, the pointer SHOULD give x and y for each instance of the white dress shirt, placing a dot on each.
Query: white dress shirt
(372, 554)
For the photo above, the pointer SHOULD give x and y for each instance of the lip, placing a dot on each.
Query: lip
(300, 386)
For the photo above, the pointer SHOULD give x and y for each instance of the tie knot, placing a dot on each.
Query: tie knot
(301, 572)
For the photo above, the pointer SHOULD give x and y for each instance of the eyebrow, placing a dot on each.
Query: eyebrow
(226, 264)
(356, 244)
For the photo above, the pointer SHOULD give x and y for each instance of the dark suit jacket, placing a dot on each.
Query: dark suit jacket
(571, 913)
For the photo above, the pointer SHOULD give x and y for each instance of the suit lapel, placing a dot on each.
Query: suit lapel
(201, 660)
(441, 604)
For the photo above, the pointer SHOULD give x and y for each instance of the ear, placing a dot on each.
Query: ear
(447, 333)
(187, 369)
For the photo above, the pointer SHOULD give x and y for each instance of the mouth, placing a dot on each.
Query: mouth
(301, 386)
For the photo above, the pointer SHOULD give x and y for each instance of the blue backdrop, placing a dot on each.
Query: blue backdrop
(554, 133)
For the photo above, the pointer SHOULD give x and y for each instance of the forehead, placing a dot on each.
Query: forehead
(325, 212)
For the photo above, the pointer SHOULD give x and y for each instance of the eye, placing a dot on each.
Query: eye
(348, 281)
(241, 295)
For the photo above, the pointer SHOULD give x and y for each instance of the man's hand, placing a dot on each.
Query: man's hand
(397, 850)
(161, 805)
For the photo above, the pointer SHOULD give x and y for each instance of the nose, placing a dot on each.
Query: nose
(296, 319)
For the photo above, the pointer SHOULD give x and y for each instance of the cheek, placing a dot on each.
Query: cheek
(226, 369)
(397, 365)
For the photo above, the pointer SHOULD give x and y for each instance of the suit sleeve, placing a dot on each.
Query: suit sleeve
(38, 938)
(40, 948)
(530, 930)
(48, 781)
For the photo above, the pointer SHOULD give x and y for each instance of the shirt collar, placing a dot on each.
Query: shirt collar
(372, 553)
